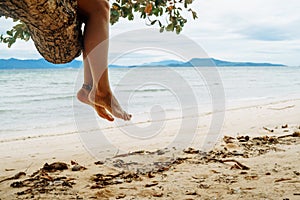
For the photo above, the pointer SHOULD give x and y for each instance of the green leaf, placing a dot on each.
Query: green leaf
(162, 29)
(170, 27)
(178, 29)
(10, 33)
(130, 16)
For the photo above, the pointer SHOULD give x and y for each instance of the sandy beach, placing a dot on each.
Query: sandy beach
(256, 157)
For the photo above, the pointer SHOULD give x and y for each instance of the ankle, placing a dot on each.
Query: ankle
(87, 87)
(102, 91)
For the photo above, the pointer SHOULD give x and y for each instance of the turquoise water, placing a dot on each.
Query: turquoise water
(41, 102)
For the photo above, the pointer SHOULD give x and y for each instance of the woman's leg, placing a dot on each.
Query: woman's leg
(83, 93)
(96, 48)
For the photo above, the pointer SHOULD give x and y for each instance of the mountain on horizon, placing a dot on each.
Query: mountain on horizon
(13, 63)
(164, 63)
(209, 62)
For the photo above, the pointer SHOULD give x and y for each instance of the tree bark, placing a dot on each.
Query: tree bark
(53, 24)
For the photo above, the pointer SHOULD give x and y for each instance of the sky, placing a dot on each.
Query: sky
(233, 30)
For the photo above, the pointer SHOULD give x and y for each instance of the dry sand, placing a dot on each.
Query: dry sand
(263, 166)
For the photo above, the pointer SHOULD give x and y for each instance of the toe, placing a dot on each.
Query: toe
(103, 113)
(127, 117)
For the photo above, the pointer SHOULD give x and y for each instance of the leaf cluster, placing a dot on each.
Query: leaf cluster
(18, 31)
(154, 11)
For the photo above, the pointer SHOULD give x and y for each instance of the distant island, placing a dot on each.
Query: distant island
(209, 62)
(195, 62)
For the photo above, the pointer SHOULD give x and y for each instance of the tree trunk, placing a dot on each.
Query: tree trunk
(53, 24)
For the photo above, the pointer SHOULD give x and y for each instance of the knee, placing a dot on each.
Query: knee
(94, 8)
(101, 9)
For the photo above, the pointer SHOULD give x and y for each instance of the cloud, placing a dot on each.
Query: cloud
(265, 33)
(269, 20)
(248, 30)
(252, 30)
(6, 24)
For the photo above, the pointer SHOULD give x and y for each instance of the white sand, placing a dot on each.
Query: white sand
(245, 119)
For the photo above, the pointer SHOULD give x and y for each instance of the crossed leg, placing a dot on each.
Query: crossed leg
(95, 53)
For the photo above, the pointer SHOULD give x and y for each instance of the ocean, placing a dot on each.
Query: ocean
(41, 102)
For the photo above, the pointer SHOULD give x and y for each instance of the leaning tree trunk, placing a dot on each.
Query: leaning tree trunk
(53, 24)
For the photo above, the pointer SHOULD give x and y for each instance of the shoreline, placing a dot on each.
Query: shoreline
(231, 106)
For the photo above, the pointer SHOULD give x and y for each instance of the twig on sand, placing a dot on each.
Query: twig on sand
(240, 165)
(283, 108)
(295, 134)
(282, 179)
(130, 154)
(268, 129)
(17, 176)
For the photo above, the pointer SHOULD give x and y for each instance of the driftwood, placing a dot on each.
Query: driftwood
(53, 24)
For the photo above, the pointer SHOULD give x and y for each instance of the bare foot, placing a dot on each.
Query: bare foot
(82, 95)
(109, 102)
